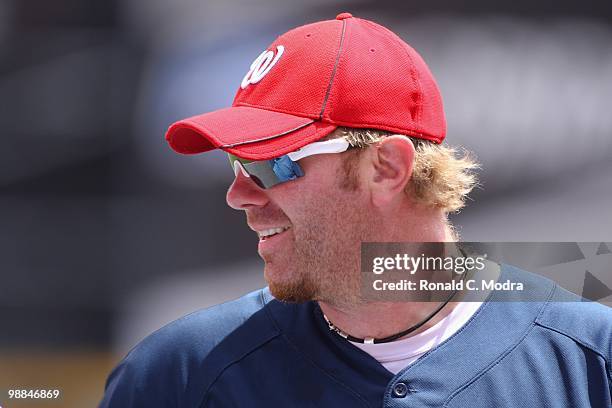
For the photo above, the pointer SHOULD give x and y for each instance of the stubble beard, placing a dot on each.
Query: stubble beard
(326, 259)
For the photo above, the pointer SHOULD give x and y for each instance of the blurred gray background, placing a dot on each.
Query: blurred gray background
(106, 234)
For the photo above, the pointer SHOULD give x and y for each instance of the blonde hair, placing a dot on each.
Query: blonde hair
(442, 176)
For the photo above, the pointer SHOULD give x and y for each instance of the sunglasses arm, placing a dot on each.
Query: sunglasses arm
(239, 167)
(329, 146)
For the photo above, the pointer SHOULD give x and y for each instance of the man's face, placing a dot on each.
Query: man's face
(317, 254)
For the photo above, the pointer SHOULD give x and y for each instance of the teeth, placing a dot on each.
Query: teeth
(271, 231)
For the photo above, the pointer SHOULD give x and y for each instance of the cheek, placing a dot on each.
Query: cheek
(324, 214)
(309, 197)
(317, 200)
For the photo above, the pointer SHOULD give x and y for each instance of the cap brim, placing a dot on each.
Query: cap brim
(249, 133)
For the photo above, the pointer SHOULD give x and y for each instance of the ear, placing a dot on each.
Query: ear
(391, 162)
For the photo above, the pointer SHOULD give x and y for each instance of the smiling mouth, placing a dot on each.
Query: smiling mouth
(269, 233)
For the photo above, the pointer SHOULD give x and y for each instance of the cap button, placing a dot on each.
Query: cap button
(342, 16)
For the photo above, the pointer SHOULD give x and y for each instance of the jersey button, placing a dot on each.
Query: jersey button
(400, 390)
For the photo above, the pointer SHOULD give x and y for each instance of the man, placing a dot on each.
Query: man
(335, 139)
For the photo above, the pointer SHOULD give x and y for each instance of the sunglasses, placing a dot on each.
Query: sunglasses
(269, 173)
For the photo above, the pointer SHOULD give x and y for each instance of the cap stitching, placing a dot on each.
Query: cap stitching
(263, 139)
(331, 80)
(292, 144)
(297, 144)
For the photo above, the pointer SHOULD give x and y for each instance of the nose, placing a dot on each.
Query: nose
(244, 193)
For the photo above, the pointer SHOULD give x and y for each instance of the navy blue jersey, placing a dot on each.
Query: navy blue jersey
(259, 352)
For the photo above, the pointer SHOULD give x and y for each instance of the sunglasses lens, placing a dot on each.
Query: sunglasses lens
(257, 181)
(268, 173)
(286, 169)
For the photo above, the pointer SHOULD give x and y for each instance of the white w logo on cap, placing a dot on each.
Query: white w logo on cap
(261, 66)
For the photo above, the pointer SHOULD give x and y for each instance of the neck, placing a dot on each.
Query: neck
(383, 319)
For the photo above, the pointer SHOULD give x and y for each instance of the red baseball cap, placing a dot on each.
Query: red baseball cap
(344, 72)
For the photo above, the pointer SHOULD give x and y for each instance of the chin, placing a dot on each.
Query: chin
(287, 287)
(275, 274)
